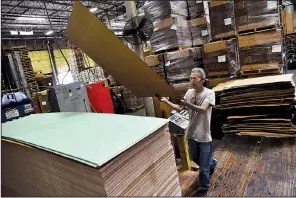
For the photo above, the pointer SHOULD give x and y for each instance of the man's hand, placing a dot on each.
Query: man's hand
(163, 99)
(183, 102)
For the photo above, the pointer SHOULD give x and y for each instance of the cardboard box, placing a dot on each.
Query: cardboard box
(259, 38)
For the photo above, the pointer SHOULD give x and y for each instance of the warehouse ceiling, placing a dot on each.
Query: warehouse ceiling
(48, 18)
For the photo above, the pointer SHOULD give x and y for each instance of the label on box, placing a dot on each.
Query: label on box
(70, 94)
(198, 1)
(49, 84)
(276, 48)
(221, 59)
(271, 5)
(12, 113)
(227, 21)
(204, 32)
(43, 103)
(174, 27)
(168, 63)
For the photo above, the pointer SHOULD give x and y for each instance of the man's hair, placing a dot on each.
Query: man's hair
(200, 71)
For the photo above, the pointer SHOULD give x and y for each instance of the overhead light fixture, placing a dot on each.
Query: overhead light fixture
(26, 33)
(49, 32)
(14, 32)
(30, 19)
(93, 9)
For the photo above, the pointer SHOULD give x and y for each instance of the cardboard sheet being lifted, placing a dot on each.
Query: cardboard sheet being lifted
(88, 33)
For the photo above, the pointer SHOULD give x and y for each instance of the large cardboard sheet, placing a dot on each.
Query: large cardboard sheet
(254, 81)
(87, 32)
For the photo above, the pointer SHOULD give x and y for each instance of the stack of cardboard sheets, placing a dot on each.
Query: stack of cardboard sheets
(258, 106)
(85, 154)
(171, 29)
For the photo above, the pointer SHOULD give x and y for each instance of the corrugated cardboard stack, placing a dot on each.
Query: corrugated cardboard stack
(139, 162)
(199, 25)
(178, 64)
(258, 106)
(221, 61)
(261, 53)
(222, 19)
(156, 62)
(250, 15)
(171, 29)
(130, 101)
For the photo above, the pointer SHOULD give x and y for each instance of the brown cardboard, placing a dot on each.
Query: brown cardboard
(216, 46)
(152, 60)
(88, 33)
(289, 19)
(259, 38)
(198, 21)
(217, 3)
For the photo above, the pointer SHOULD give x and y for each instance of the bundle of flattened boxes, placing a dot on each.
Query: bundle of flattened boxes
(237, 38)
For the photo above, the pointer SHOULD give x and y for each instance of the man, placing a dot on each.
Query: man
(199, 101)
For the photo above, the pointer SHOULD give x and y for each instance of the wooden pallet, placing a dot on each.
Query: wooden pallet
(223, 36)
(261, 71)
(256, 30)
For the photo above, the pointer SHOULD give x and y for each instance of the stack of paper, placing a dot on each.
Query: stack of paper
(258, 106)
(86, 154)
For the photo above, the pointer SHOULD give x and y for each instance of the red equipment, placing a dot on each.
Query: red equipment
(99, 97)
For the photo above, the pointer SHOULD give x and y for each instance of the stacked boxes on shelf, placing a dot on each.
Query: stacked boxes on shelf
(222, 19)
(261, 53)
(250, 15)
(199, 22)
(221, 61)
(156, 62)
(178, 64)
(171, 29)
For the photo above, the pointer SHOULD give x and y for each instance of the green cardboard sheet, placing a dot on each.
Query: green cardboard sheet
(89, 138)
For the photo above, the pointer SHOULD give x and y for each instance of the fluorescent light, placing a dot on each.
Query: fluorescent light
(14, 32)
(26, 33)
(93, 9)
(30, 19)
(49, 32)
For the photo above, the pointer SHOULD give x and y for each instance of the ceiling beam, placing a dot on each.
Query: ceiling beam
(30, 16)
(36, 8)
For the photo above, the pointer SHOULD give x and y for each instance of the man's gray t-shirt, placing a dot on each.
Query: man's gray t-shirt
(199, 128)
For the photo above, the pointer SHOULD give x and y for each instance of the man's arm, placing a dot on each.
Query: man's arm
(200, 109)
(174, 106)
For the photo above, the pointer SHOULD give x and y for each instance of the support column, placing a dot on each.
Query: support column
(131, 12)
(107, 21)
(55, 77)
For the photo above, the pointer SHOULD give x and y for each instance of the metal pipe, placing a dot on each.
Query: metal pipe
(30, 38)
(131, 12)
(53, 66)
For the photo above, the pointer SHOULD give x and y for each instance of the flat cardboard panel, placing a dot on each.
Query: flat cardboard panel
(198, 21)
(87, 32)
(259, 38)
(152, 60)
(255, 81)
(217, 3)
(92, 135)
(216, 46)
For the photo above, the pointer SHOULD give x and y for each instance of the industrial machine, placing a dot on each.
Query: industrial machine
(70, 98)
(100, 97)
(179, 121)
(15, 105)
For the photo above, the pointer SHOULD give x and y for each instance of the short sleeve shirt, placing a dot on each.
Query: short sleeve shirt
(199, 127)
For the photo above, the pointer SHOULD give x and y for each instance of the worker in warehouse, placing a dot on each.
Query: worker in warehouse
(199, 101)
